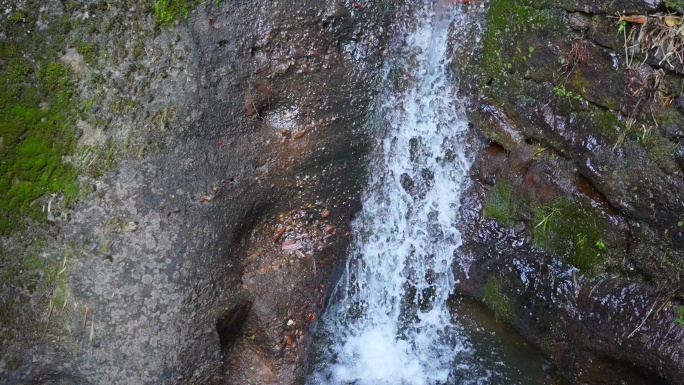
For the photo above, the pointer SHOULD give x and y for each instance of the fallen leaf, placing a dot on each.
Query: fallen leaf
(206, 198)
(671, 21)
(299, 134)
(637, 19)
(264, 90)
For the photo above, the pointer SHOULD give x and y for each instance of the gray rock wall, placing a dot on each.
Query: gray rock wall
(219, 161)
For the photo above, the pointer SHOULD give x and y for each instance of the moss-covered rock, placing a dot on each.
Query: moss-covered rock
(38, 109)
(498, 204)
(497, 301)
(571, 231)
(602, 195)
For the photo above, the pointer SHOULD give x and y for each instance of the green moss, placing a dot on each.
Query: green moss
(36, 273)
(37, 111)
(670, 116)
(497, 301)
(498, 204)
(570, 230)
(138, 51)
(88, 51)
(18, 16)
(607, 122)
(506, 20)
(561, 91)
(170, 11)
(660, 150)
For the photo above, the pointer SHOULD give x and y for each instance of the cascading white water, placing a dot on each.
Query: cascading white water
(388, 322)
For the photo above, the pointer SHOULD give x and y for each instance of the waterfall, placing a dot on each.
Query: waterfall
(388, 321)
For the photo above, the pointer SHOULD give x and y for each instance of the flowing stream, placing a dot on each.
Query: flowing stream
(388, 321)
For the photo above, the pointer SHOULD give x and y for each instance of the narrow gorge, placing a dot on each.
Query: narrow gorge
(341, 192)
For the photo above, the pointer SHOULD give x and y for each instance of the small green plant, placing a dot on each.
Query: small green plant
(498, 204)
(600, 245)
(646, 137)
(622, 25)
(544, 223)
(530, 51)
(56, 280)
(680, 315)
(562, 91)
(88, 51)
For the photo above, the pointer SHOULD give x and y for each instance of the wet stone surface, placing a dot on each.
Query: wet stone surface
(572, 223)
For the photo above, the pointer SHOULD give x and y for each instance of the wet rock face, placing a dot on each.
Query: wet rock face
(574, 219)
(309, 78)
(205, 248)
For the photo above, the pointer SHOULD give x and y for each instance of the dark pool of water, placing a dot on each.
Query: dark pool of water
(498, 355)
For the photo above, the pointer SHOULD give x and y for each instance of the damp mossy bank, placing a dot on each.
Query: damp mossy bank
(38, 109)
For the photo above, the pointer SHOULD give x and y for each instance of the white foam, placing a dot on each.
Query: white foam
(378, 357)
